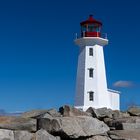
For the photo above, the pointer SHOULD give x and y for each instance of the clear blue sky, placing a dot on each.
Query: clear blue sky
(38, 59)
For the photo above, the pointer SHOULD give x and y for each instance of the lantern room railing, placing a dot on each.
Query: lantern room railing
(92, 34)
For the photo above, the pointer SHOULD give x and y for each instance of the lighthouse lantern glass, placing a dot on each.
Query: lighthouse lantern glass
(84, 28)
(91, 28)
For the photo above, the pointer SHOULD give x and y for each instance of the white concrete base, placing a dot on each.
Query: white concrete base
(84, 108)
(114, 101)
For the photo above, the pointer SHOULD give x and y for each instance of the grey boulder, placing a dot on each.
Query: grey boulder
(41, 114)
(6, 134)
(23, 135)
(134, 111)
(128, 126)
(33, 113)
(18, 123)
(50, 114)
(125, 134)
(44, 135)
(123, 123)
(100, 113)
(68, 111)
(99, 138)
(74, 127)
(118, 114)
(54, 113)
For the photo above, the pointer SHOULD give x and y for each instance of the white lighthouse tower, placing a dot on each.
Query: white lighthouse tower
(91, 84)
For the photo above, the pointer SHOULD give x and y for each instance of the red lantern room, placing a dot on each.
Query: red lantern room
(91, 28)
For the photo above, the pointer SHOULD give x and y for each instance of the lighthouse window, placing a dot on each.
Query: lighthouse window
(84, 28)
(90, 28)
(91, 96)
(90, 51)
(91, 72)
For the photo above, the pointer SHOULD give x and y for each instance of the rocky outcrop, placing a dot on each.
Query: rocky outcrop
(41, 114)
(23, 135)
(18, 123)
(125, 134)
(122, 123)
(44, 135)
(68, 111)
(99, 138)
(6, 135)
(118, 114)
(33, 113)
(70, 123)
(100, 113)
(74, 127)
(134, 111)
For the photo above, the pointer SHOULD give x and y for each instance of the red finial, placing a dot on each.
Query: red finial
(90, 17)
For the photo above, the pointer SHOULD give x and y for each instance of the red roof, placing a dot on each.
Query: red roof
(91, 20)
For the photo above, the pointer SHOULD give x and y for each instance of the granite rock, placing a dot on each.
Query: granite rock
(44, 135)
(23, 135)
(100, 113)
(33, 113)
(124, 134)
(118, 114)
(6, 134)
(99, 138)
(74, 127)
(134, 111)
(68, 111)
(18, 123)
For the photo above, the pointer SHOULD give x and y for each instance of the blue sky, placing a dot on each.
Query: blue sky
(38, 58)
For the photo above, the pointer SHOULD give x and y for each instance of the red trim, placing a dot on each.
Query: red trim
(91, 34)
(91, 20)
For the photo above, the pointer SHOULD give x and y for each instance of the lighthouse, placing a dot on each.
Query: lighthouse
(91, 81)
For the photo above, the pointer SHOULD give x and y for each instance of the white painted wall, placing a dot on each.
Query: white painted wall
(90, 83)
(80, 80)
(97, 84)
(115, 99)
